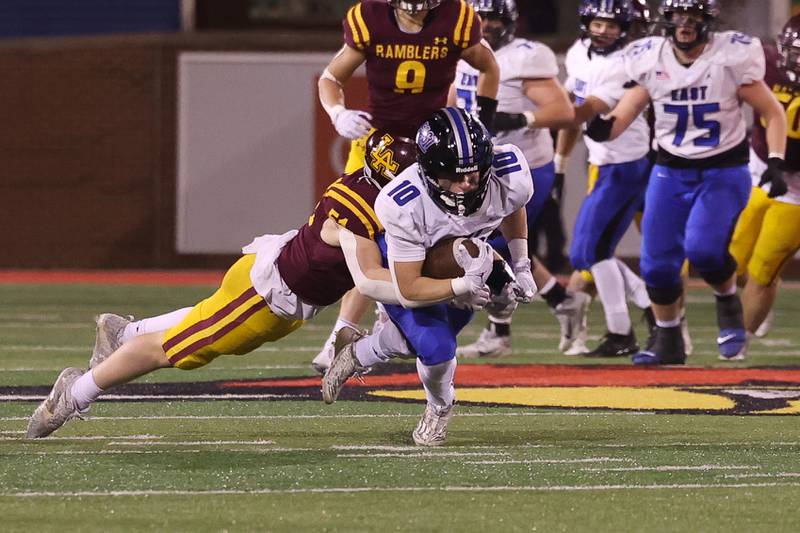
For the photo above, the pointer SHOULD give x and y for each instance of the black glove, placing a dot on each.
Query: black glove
(774, 175)
(486, 110)
(599, 129)
(509, 121)
(557, 190)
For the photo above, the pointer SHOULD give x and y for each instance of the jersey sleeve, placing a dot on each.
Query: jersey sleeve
(511, 170)
(350, 208)
(404, 240)
(610, 84)
(571, 65)
(530, 60)
(641, 58)
(747, 55)
(356, 32)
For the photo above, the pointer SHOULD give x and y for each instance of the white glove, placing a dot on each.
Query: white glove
(350, 123)
(470, 289)
(472, 300)
(524, 288)
(502, 306)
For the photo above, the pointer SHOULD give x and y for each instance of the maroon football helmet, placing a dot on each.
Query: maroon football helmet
(642, 24)
(414, 6)
(789, 50)
(387, 156)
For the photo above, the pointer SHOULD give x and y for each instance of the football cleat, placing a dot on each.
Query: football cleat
(344, 364)
(322, 361)
(615, 345)
(489, 344)
(432, 427)
(766, 325)
(665, 347)
(108, 336)
(732, 344)
(571, 315)
(58, 408)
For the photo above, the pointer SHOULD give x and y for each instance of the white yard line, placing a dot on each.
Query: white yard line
(97, 437)
(750, 475)
(418, 455)
(552, 461)
(102, 452)
(113, 397)
(673, 468)
(353, 490)
(192, 443)
(207, 369)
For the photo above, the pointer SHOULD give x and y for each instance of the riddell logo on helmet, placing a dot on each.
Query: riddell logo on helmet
(465, 170)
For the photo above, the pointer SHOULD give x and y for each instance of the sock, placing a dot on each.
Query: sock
(154, 324)
(499, 328)
(553, 293)
(668, 323)
(366, 353)
(611, 287)
(438, 382)
(729, 312)
(731, 290)
(635, 287)
(85, 391)
(341, 322)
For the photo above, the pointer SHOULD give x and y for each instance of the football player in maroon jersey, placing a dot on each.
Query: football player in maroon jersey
(280, 282)
(410, 49)
(767, 234)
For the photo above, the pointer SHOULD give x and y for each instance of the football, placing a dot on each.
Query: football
(440, 261)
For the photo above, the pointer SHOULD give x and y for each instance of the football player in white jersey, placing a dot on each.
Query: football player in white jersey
(618, 170)
(697, 80)
(531, 100)
(768, 232)
(461, 186)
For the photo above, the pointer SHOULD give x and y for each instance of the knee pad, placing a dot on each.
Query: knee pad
(665, 296)
(722, 275)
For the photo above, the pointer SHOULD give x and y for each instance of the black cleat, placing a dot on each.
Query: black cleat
(615, 345)
(665, 347)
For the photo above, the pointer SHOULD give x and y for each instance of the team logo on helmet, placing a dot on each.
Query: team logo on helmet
(426, 138)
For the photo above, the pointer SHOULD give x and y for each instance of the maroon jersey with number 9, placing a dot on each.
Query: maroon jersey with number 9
(409, 74)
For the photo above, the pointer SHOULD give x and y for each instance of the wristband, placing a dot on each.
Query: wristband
(530, 117)
(560, 162)
(334, 112)
(775, 155)
(518, 248)
(459, 286)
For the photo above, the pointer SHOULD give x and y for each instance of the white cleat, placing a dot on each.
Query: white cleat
(432, 427)
(108, 336)
(489, 344)
(344, 364)
(58, 408)
(572, 317)
(323, 359)
(322, 362)
(688, 347)
(766, 325)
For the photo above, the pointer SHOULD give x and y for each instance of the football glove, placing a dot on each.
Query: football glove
(470, 289)
(774, 176)
(599, 128)
(525, 288)
(486, 110)
(352, 124)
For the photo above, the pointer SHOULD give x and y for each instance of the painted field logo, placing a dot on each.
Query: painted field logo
(725, 391)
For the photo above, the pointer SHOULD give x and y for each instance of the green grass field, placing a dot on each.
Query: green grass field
(536, 448)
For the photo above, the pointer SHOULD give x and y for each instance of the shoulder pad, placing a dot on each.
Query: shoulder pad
(642, 56)
(510, 169)
(530, 60)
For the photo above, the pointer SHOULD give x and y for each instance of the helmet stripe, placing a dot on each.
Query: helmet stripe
(463, 144)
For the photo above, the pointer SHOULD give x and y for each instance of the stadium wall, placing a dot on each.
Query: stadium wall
(169, 151)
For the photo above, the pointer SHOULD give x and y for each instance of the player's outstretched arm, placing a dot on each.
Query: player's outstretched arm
(608, 128)
(762, 100)
(481, 57)
(515, 230)
(349, 123)
(364, 263)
